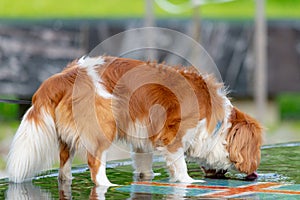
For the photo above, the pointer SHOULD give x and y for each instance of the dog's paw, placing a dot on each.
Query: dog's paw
(144, 176)
(186, 179)
(214, 174)
(198, 181)
(106, 184)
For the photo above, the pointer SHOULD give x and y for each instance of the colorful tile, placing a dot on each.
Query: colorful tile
(167, 190)
(218, 189)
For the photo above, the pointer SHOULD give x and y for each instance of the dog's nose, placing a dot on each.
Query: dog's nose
(252, 176)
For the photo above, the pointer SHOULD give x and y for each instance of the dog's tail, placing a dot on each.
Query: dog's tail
(36, 142)
(34, 146)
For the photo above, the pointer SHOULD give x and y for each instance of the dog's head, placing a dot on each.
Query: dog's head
(244, 139)
(243, 142)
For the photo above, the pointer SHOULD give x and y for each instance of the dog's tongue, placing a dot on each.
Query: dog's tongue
(252, 177)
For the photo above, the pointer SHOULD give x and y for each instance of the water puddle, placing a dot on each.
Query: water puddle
(279, 177)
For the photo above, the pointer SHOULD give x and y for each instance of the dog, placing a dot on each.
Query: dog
(175, 110)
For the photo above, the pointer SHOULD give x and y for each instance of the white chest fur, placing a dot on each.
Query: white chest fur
(209, 150)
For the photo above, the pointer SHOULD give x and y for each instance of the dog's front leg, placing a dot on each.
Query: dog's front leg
(142, 164)
(177, 167)
(97, 166)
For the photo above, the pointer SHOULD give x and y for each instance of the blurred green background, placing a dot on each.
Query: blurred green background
(135, 8)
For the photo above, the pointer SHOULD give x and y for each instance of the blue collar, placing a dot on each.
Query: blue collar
(218, 126)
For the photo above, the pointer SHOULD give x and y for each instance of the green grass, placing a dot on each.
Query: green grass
(8, 126)
(289, 106)
(8, 111)
(135, 8)
(69, 8)
(7, 130)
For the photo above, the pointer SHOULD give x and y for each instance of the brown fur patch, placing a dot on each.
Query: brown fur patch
(184, 95)
(244, 141)
(64, 154)
(217, 102)
(94, 164)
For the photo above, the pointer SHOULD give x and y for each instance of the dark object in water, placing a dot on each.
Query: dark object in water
(212, 173)
(252, 177)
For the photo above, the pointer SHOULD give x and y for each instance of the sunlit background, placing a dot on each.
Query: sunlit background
(39, 37)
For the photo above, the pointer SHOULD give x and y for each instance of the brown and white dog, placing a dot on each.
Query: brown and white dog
(151, 106)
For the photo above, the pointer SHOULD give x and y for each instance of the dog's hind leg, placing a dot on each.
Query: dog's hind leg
(66, 156)
(142, 164)
(97, 165)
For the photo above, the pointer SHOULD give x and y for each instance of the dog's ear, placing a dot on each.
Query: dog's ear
(244, 140)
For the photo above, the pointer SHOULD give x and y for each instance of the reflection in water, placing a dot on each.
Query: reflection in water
(138, 196)
(280, 164)
(98, 192)
(148, 193)
(26, 191)
(65, 190)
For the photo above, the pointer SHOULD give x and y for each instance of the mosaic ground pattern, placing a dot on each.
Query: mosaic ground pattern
(218, 189)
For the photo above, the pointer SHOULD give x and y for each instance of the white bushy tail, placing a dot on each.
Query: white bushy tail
(34, 146)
